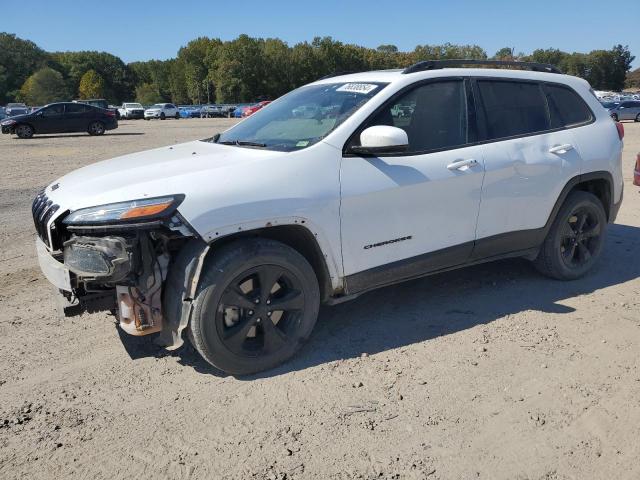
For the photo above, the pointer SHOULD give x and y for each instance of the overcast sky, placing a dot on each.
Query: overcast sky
(156, 29)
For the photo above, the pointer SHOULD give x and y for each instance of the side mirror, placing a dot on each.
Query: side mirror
(381, 139)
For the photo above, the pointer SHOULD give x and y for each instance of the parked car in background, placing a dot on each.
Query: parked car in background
(254, 108)
(33, 109)
(210, 111)
(131, 111)
(628, 110)
(13, 109)
(239, 110)
(189, 111)
(162, 111)
(64, 117)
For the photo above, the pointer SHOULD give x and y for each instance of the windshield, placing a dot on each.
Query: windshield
(157, 105)
(302, 117)
(132, 105)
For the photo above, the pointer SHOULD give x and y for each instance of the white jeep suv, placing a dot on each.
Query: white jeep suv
(345, 185)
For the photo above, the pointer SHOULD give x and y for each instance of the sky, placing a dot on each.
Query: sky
(156, 29)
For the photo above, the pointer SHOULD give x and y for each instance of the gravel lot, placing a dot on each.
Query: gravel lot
(492, 372)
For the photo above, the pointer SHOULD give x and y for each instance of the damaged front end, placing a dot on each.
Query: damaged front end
(117, 258)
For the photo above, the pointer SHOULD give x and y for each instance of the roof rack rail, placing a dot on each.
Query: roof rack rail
(438, 64)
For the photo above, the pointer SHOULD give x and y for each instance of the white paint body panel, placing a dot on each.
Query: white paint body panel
(392, 197)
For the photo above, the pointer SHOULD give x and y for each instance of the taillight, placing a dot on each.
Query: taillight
(636, 172)
(620, 128)
(113, 114)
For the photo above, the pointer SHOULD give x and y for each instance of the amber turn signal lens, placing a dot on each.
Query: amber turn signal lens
(145, 211)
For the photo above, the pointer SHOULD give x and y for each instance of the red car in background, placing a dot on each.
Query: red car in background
(254, 108)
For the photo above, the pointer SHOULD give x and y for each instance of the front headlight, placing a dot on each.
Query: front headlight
(7, 122)
(144, 209)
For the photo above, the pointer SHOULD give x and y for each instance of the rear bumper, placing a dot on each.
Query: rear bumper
(615, 207)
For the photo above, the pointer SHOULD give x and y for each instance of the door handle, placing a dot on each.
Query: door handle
(561, 148)
(460, 164)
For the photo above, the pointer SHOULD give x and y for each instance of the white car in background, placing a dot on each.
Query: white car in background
(131, 110)
(235, 241)
(162, 111)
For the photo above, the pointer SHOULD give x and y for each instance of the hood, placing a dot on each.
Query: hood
(23, 116)
(190, 168)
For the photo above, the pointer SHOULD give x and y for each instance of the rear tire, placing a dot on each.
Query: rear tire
(24, 131)
(637, 118)
(576, 238)
(257, 303)
(96, 128)
(615, 117)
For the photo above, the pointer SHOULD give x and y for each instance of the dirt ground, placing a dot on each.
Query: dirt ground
(492, 372)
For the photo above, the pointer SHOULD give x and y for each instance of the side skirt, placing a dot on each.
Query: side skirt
(525, 243)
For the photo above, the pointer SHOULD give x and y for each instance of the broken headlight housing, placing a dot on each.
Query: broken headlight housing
(133, 211)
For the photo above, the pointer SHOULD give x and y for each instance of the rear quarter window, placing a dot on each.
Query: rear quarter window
(566, 107)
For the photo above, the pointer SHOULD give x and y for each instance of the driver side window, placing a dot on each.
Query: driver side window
(53, 110)
(434, 115)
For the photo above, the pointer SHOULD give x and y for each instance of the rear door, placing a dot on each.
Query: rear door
(76, 117)
(403, 215)
(529, 157)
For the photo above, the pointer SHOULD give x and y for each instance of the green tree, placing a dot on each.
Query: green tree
(18, 60)
(148, 93)
(505, 53)
(119, 80)
(92, 85)
(633, 79)
(44, 86)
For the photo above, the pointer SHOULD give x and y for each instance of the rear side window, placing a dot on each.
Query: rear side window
(76, 108)
(566, 108)
(513, 108)
(434, 116)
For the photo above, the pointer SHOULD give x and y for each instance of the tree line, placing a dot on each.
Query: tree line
(246, 69)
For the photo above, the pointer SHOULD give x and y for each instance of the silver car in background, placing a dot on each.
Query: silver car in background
(627, 110)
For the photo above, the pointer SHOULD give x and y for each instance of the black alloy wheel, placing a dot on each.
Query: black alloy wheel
(581, 237)
(258, 311)
(96, 128)
(24, 131)
(256, 305)
(576, 238)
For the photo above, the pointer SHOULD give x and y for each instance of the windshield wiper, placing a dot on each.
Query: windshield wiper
(243, 143)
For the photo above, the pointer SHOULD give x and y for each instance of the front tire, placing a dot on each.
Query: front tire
(162, 116)
(96, 128)
(576, 238)
(24, 131)
(177, 116)
(637, 118)
(615, 117)
(257, 303)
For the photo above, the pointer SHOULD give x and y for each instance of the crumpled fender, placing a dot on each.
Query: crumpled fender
(180, 290)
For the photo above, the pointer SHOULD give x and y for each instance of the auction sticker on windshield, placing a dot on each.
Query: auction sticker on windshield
(363, 88)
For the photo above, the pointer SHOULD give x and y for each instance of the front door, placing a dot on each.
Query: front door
(50, 119)
(404, 215)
